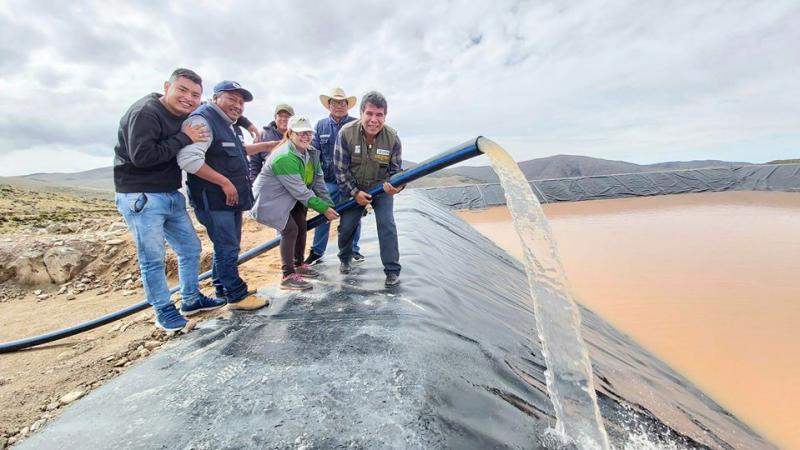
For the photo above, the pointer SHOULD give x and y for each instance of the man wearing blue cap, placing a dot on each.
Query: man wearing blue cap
(219, 187)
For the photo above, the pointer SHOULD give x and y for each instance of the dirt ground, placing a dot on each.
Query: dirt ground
(36, 383)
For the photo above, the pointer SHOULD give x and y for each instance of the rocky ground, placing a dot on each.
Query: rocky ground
(60, 269)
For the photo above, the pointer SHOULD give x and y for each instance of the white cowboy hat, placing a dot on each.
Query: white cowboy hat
(337, 94)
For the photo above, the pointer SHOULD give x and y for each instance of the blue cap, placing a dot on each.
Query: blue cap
(228, 85)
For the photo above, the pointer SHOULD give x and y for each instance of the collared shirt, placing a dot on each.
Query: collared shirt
(325, 133)
(344, 176)
(192, 157)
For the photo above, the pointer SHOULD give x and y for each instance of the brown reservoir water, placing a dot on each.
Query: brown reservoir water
(708, 282)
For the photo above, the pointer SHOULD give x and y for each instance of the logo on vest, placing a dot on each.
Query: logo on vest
(382, 152)
(357, 150)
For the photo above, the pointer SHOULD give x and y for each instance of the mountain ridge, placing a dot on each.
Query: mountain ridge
(556, 166)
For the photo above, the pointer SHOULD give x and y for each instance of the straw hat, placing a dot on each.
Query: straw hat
(337, 94)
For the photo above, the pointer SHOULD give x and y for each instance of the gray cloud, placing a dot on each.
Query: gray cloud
(622, 80)
(17, 39)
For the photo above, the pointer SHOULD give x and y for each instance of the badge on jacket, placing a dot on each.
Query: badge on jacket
(357, 150)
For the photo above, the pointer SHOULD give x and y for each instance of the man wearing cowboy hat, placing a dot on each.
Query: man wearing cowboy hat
(219, 187)
(325, 133)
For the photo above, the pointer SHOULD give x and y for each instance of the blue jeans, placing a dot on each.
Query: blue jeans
(322, 232)
(152, 218)
(383, 205)
(225, 231)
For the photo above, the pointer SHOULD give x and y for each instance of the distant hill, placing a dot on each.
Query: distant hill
(101, 181)
(785, 161)
(566, 166)
(95, 183)
(444, 177)
(697, 164)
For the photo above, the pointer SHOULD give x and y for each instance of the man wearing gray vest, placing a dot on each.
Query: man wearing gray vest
(219, 187)
(367, 153)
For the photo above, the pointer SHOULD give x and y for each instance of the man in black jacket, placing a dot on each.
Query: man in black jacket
(147, 179)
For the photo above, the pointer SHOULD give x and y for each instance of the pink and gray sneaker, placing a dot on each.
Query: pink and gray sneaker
(305, 270)
(295, 282)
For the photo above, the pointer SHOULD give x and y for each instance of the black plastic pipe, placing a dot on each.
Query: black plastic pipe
(455, 155)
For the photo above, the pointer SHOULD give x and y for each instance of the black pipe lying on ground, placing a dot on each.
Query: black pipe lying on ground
(455, 155)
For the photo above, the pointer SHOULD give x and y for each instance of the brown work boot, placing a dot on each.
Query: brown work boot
(250, 302)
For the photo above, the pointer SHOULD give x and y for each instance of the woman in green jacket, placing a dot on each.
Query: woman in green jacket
(289, 183)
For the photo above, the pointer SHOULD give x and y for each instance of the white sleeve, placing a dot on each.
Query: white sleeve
(192, 157)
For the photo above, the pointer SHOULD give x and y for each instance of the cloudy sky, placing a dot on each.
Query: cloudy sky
(628, 80)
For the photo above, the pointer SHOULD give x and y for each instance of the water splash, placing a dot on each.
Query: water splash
(558, 322)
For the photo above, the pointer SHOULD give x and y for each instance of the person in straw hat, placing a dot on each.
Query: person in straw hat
(338, 103)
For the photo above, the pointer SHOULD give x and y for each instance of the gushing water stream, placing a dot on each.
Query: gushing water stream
(558, 322)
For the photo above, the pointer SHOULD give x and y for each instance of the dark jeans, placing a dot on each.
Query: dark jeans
(383, 205)
(293, 239)
(321, 232)
(225, 231)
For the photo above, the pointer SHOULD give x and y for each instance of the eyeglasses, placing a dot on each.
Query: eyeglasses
(338, 102)
(304, 133)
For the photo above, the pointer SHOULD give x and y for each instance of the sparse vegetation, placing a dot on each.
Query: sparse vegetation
(20, 207)
(785, 161)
